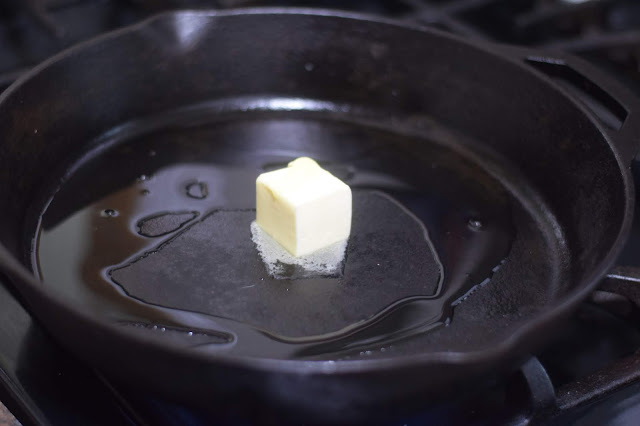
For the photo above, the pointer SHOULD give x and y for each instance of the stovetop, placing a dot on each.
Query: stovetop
(590, 374)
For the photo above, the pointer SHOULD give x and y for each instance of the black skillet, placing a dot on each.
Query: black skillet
(488, 203)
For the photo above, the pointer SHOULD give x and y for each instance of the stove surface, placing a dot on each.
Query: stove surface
(590, 374)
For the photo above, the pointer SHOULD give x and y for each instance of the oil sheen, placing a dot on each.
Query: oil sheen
(154, 233)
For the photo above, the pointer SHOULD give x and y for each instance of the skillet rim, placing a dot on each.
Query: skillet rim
(503, 349)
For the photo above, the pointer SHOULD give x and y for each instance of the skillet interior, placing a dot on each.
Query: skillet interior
(200, 257)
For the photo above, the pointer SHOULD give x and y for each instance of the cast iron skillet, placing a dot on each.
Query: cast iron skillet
(525, 194)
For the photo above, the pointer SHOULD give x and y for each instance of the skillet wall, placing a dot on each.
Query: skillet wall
(181, 59)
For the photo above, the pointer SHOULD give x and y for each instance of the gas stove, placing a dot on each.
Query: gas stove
(590, 374)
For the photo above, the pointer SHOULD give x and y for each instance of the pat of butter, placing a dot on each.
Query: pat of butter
(303, 207)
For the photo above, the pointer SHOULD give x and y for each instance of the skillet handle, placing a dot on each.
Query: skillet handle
(615, 105)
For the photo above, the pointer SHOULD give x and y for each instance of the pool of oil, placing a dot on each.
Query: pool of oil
(153, 232)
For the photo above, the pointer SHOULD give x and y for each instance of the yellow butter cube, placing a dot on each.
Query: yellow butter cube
(303, 207)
